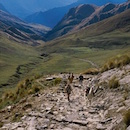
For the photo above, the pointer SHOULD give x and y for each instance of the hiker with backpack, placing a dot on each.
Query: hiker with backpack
(68, 90)
(81, 80)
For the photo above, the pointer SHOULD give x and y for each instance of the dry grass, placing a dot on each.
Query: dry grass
(113, 82)
(92, 71)
(116, 62)
(24, 88)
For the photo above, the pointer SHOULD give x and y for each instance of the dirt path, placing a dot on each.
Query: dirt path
(90, 62)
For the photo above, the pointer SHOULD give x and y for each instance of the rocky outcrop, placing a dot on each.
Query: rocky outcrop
(50, 109)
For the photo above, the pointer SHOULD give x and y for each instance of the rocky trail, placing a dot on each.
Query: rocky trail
(50, 109)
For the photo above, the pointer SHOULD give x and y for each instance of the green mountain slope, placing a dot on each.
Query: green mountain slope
(96, 43)
(13, 57)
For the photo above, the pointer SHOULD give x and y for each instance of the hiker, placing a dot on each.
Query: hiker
(71, 78)
(81, 80)
(68, 91)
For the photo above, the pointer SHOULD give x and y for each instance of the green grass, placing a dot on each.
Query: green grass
(70, 58)
(13, 54)
(116, 62)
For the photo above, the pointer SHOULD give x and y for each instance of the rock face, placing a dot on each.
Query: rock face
(51, 109)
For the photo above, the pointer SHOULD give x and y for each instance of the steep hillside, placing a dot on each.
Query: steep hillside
(16, 60)
(19, 30)
(72, 21)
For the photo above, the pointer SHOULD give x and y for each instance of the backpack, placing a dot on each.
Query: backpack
(68, 89)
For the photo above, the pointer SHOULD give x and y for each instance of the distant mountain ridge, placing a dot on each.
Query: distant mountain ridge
(48, 18)
(74, 21)
(51, 17)
(23, 8)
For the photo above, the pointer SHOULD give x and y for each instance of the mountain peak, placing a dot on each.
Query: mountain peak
(108, 7)
(81, 11)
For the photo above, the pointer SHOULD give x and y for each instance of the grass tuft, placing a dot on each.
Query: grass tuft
(116, 62)
(57, 81)
(113, 82)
